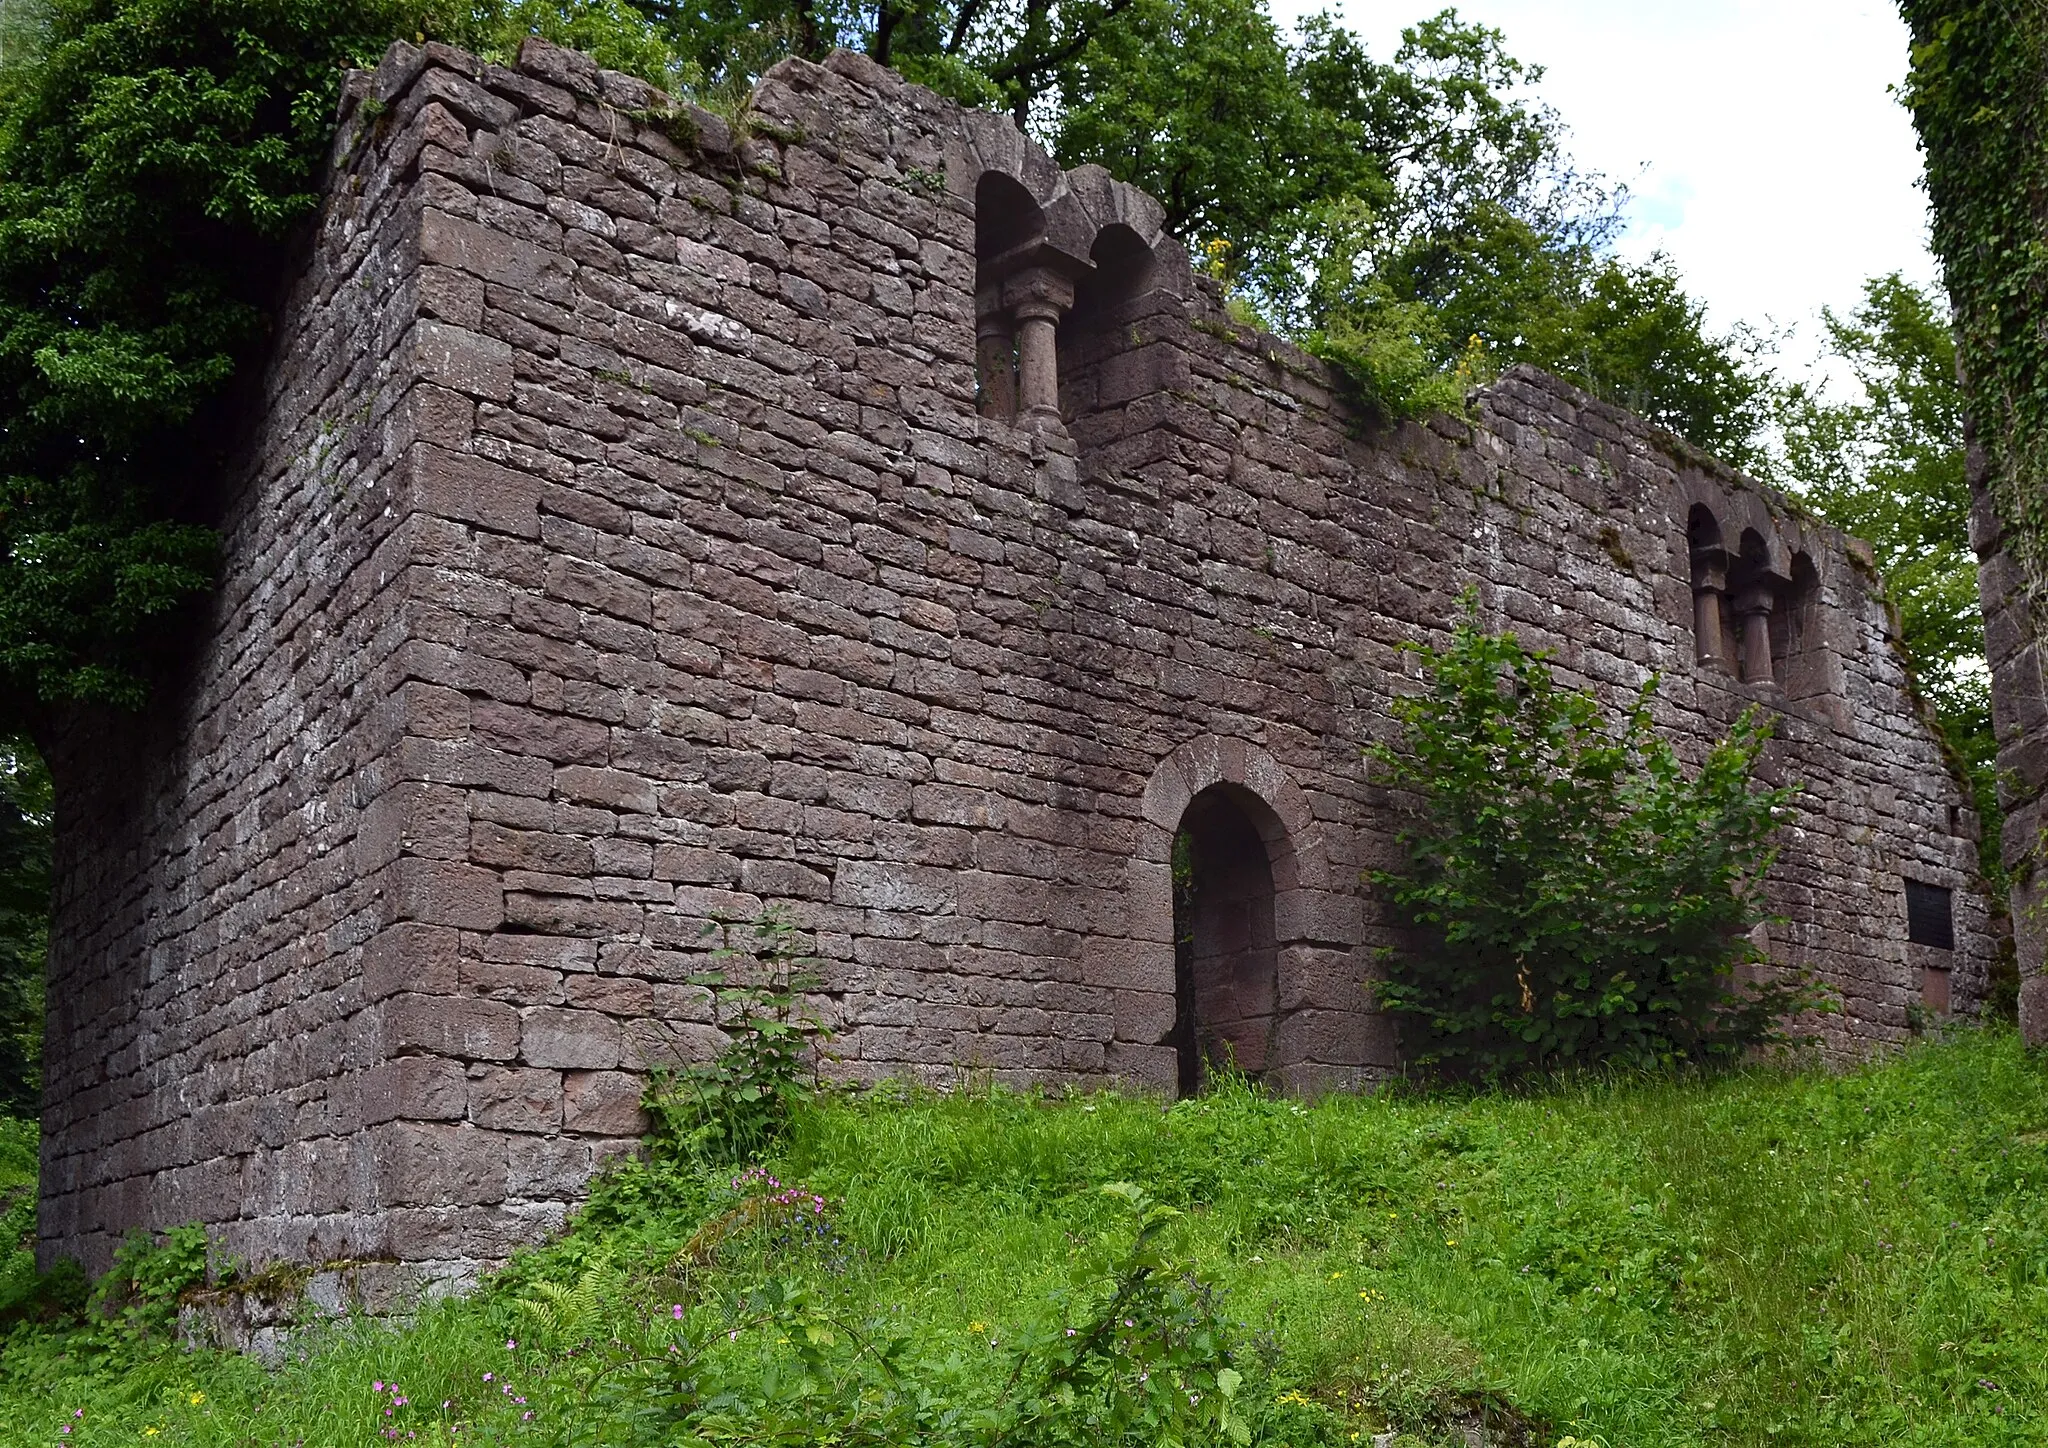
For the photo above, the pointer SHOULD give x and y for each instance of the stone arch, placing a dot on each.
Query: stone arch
(1045, 238)
(1319, 1031)
(1711, 623)
(1008, 224)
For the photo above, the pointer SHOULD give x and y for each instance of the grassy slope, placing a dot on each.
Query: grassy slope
(1805, 1259)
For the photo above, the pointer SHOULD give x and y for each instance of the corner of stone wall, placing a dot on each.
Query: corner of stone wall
(2019, 714)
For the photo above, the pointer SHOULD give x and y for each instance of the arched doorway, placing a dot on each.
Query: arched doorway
(1241, 940)
(1226, 947)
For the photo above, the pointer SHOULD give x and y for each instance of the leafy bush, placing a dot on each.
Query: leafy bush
(732, 1108)
(1576, 897)
(149, 1276)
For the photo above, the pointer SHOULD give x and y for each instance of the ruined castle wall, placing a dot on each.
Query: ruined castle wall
(2019, 715)
(206, 1047)
(706, 581)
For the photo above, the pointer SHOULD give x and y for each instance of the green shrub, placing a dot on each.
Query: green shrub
(732, 1108)
(1576, 897)
(150, 1275)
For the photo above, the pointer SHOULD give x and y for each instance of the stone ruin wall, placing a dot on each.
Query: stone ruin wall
(628, 536)
(2019, 717)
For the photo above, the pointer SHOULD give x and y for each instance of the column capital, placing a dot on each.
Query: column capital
(1710, 570)
(1038, 293)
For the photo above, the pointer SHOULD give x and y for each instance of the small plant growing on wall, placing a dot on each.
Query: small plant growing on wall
(732, 1108)
(1576, 897)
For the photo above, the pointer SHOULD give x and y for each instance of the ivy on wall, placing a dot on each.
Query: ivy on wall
(1978, 90)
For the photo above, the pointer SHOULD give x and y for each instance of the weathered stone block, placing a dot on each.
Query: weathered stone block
(514, 1100)
(469, 1029)
(421, 1165)
(602, 1103)
(567, 1039)
(442, 892)
(415, 1088)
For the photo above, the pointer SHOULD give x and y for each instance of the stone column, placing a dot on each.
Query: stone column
(995, 356)
(1753, 610)
(1038, 298)
(1709, 583)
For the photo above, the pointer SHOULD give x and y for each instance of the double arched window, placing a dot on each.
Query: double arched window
(1753, 616)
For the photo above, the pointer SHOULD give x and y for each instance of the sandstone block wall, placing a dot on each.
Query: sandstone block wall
(652, 520)
(2019, 716)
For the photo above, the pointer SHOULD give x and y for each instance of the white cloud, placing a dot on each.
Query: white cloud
(1764, 151)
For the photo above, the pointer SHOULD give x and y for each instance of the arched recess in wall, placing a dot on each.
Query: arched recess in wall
(1711, 617)
(1008, 225)
(1799, 657)
(1265, 967)
(1108, 300)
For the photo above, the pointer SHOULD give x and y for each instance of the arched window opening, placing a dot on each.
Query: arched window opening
(1798, 648)
(1754, 594)
(1007, 223)
(1760, 620)
(1710, 611)
(1110, 301)
(1020, 293)
(1226, 953)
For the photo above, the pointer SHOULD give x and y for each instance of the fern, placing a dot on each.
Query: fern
(568, 1313)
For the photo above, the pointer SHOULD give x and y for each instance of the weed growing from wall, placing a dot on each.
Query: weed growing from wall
(734, 1107)
(1576, 896)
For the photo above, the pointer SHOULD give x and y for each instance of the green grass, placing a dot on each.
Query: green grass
(1768, 1258)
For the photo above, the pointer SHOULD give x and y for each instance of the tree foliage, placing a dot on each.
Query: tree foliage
(153, 156)
(1887, 466)
(1980, 104)
(1416, 220)
(1577, 898)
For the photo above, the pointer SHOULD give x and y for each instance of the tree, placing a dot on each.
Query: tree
(1415, 221)
(1887, 466)
(25, 818)
(152, 159)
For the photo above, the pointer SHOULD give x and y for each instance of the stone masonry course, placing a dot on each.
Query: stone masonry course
(649, 517)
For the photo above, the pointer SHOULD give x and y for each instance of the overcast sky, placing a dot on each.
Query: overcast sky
(1763, 149)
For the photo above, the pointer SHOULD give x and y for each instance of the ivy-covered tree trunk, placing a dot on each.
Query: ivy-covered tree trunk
(1979, 96)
